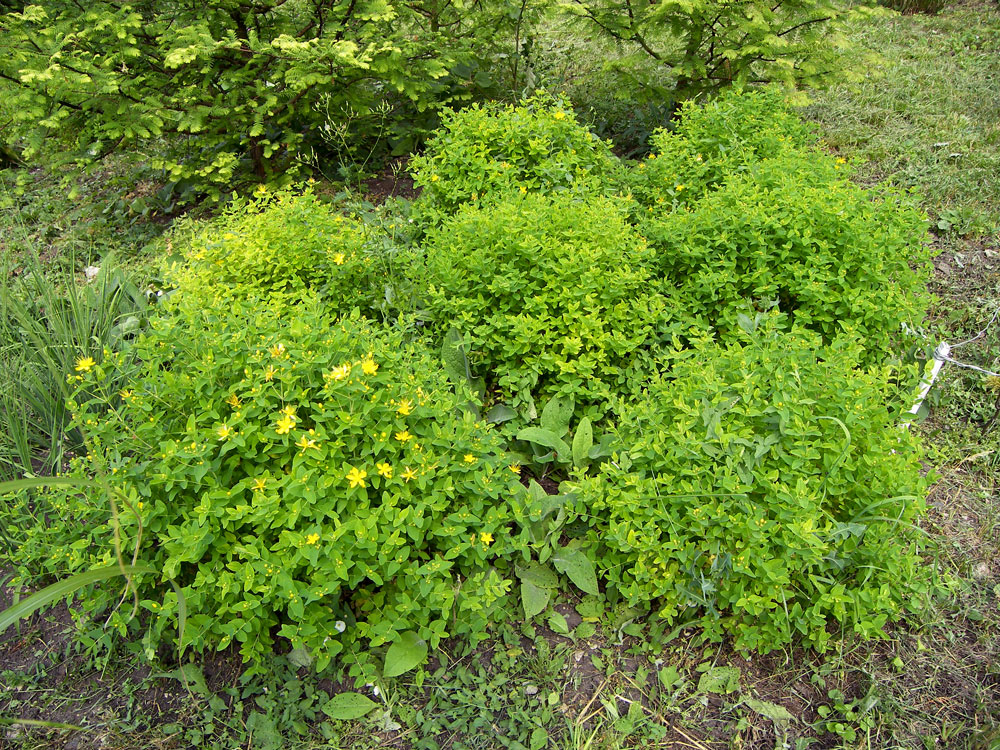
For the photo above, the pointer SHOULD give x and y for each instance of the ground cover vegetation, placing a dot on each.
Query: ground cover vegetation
(568, 450)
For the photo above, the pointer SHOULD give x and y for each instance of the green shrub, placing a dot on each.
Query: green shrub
(795, 232)
(552, 293)
(281, 247)
(716, 140)
(763, 490)
(305, 478)
(485, 151)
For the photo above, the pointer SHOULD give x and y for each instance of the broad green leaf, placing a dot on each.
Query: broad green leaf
(407, 652)
(590, 608)
(300, 657)
(265, 733)
(534, 599)
(583, 441)
(500, 413)
(537, 492)
(347, 706)
(720, 680)
(538, 575)
(545, 438)
(574, 563)
(64, 588)
(456, 365)
(556, 415)
(774, 712)
(558, 624)
(539, 738)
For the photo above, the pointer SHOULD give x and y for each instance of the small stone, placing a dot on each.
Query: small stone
(530, 690)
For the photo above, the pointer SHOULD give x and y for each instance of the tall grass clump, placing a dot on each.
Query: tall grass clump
(51, 326)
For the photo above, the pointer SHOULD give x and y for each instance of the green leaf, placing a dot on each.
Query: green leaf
(583, 441)
(534, 599)
(545, 438)
(407, 652)
(573, 562)
(590, 607)
(346, 706)
(538, 575)
(774, 712)
(500, 413)
(539, 738)
(23, 484)
(189, 675)
(720, 680)
(585, 630)
(265, 733)
(558, 624)
(300, 657)
(556, 415)
(64, 588)
(456, 364)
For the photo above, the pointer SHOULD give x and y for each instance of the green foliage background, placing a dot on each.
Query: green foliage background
(212, 90)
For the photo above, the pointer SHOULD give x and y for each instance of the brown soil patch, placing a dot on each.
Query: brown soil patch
(392, 181)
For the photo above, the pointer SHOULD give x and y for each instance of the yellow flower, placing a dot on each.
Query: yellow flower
(515, 468)
(403, 436)
(225, 432)
(368, 366)
(125, 394)
(486, 538)
(523, 190)
(289, 411)
(434, 178)
(841, 161)
(277, 350)
(698, 157)
(558, 115)
(384, 470)
(338, 258)
(679, 188)
(339, 373)
(83, 364)
(233, 401)
(285, 425)
(258, 484)
(469, 458)
(405, 407)
(269, 373)
(305, 443)
(357, 477)
(312, 539)
(409, 474)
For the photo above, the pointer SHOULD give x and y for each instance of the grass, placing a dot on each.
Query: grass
(934, 683)
(928, 117)
(71, 224)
